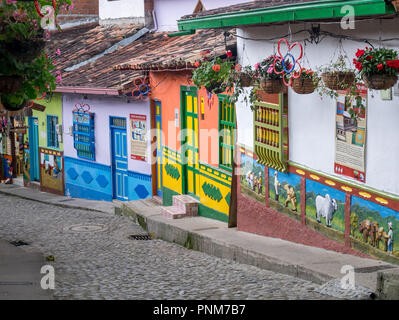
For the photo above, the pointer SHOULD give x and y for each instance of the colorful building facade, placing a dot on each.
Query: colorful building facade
(44, 157)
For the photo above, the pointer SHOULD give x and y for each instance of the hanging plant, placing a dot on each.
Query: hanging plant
(239, 79)
(213, 75)
(378, 68)
(10, 84)
(269, 81)
(306, 83)
(336, 76)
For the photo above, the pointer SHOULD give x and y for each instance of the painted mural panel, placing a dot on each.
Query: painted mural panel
(285, 188)
(252, 179)
(375, 225)
(51, 171)
(325, 204)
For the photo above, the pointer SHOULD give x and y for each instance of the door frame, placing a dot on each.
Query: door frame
(194, 91)
(155, 165)
(34, 150)
(113, 170)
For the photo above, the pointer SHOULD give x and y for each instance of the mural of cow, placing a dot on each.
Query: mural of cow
(325, 207)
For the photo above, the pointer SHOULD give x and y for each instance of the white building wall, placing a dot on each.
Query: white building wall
(132, 10)
(169, 11)
(312, 119)
(104, 107)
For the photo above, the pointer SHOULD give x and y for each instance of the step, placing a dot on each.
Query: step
(186, 203)
(173, 212)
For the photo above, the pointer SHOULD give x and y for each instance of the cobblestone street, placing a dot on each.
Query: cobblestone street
(101, 262)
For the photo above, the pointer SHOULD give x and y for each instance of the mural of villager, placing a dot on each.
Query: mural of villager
(252, 178)
(285, 188)
(325, 205)
(51, 171)
(375, 225)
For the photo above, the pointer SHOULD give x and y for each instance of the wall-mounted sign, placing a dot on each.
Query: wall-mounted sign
(350, 135)
(138, 125)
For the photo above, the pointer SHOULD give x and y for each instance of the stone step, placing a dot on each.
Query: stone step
(186, 203)
(173, 212)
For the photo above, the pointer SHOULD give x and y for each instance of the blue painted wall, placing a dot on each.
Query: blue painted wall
(91, 180)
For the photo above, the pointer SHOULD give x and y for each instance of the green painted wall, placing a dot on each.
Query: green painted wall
(53, 108)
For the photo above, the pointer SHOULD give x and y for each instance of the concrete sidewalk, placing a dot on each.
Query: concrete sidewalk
(213, 237)
(20, 274)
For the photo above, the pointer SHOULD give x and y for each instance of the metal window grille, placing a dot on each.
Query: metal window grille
(52, 137)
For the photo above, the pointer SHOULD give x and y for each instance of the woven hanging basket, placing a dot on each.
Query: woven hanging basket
(8, 107)
(246, 80)
(25, 50)
(10, 84)
(338, 80)
(272, 86)
(303, 86)
(216, 88)
(379, 82)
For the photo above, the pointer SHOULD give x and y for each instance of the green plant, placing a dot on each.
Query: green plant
(37, 76)
(213, 75)
(235, 84)
(382, 61)
(265, 68)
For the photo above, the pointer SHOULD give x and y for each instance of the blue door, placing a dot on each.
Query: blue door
(119, 158)
(33, 148)
(158, 127)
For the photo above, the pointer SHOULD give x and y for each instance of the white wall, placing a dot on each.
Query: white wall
(104, 107)
(119, 9)
(312, 120)
(169, 11)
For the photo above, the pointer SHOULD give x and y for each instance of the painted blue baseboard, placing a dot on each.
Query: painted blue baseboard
(80, 192)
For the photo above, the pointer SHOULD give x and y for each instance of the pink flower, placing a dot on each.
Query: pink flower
(58, 72)
(47, 34)
(70, 8)
(11, 1)
(270, 70)
(58, 78)
(256, 66)
(58, 52)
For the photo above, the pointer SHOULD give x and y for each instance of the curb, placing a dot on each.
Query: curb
(195, 241)
(62, 205)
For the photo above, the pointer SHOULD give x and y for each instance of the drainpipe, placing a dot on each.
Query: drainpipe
(154, 18)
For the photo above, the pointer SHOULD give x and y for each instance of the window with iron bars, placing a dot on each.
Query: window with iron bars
(52, 137)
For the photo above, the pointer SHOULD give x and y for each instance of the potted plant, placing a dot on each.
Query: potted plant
(213, 75)
(270, 82)
(244, 77)
(306, 83)
(21, 30)
(37, 80)
(337, 76)
(378, 67)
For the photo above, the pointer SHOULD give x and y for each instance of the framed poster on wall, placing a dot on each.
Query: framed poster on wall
(138, 125)
(350, 135)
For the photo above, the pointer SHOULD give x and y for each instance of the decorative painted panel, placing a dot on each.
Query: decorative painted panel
(51, 171)
(252, 178)
(286, 189)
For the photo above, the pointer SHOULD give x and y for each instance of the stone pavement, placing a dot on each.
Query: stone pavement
(20, 273)
(281, 258)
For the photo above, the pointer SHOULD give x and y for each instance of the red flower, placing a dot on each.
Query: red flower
(369, 58)
(393, 64)
(380, 66)
(359, 53)
(238, 67)
(216, 67)
(54, 62)
(229, 53)
(358, 66)
(196, 64)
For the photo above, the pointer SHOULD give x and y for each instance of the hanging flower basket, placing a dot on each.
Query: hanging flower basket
(11, 107)
(25, 50)
(378, 67)
(379, 81)
(215, 87)
(272, 86)
(246, 80)
(303, 86)
(10, 84)
(338, 80)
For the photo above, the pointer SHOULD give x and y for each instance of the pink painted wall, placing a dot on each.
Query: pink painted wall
(104, 107)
